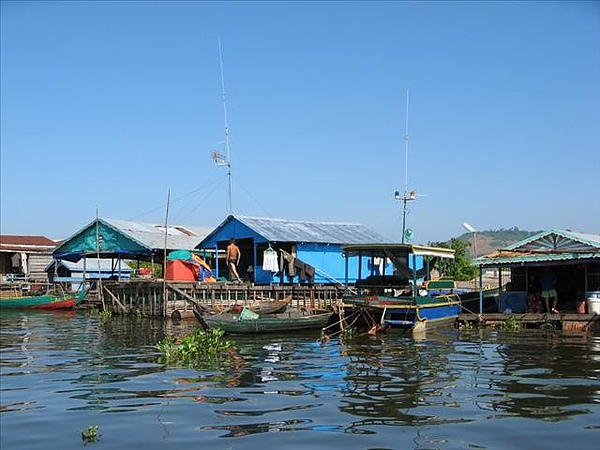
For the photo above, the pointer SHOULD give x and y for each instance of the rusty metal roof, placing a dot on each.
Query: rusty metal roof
(26, 244)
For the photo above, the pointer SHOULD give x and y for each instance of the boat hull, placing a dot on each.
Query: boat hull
(403, 312)
(44, 302)
(272, 323)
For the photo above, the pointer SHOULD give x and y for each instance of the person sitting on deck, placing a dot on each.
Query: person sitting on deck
(534, 303)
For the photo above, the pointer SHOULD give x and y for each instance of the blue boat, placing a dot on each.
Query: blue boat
(405, 298)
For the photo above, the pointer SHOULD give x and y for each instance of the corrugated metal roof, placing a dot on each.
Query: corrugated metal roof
(153, 235)
(558, 241)
(15, 243)
(535, 258)
(91, 265)
(548, 246)
(283, 230)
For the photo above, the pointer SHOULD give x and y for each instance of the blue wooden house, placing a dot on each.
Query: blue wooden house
(289, 251)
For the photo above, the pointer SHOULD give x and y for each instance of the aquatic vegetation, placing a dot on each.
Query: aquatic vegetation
(348, 333)
(90, 434)
(466, 326)
(103, 315)
(511, 324)
(198, 347)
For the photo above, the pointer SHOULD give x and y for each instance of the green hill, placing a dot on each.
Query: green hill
(491, 240)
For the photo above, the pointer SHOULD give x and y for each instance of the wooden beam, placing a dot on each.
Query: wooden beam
(116, 300)
(186, 296)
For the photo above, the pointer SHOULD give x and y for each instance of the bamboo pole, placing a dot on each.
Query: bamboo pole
(165, 256)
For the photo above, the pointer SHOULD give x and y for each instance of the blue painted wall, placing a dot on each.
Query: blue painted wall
(327, 259)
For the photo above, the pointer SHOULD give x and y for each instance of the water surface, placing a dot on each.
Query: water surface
(62, 372)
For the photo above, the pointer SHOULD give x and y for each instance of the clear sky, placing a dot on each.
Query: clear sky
(110, 105)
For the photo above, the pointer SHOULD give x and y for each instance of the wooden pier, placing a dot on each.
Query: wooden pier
(566, 322)
(176, 299)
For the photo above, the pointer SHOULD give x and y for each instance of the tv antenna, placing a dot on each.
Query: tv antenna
(407, 196)
(218, 158)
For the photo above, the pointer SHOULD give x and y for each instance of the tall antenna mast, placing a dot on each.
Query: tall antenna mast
(406, 139)
(227, 161)
(407, 195)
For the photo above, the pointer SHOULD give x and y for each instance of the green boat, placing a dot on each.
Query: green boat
(54, 298)
(248, 322)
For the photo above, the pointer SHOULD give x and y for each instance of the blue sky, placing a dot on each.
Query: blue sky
(113, 104)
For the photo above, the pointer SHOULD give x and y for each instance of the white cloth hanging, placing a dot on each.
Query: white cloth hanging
(270, 262)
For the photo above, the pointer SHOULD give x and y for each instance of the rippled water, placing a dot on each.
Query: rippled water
(62, 372)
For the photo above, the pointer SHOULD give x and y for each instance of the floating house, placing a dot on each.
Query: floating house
(572, 258)
(25, 257)
(88, 269)
(288, 251)
(125, 240)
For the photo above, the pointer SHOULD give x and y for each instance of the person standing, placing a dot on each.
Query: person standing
(233, 259)
(547, 282)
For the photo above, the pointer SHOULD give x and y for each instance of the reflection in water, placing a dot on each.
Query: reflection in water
(445, 390)
(391, 381)
(548, 383)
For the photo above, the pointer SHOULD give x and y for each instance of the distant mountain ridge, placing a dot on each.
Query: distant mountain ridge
(491, 240)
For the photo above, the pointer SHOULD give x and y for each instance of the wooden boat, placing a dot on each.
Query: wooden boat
(248, 322)
(54, 298)
(472, 301)
(381, 301)
(263, 307)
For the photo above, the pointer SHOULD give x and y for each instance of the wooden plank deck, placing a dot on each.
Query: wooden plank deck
(565, 321)
(146, 296)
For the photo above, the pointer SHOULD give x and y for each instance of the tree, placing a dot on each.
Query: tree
(461, 267)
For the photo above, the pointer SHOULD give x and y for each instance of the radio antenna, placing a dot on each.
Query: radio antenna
(407, 196)
(219, 160)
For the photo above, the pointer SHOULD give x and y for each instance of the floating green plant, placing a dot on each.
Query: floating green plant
(90, 434)
(467, 326)
(348, 333)
(103, 315)
(511, 324)
(198, 347)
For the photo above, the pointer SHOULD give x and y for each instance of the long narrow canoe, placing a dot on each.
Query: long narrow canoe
(267, 323)
(49, 300)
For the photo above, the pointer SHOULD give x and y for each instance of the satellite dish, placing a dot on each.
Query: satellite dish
(408, 235)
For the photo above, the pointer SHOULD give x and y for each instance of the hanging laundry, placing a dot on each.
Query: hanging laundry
(270, 263)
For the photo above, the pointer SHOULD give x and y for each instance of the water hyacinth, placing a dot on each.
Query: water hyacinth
(90, 434)
(198, 347)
